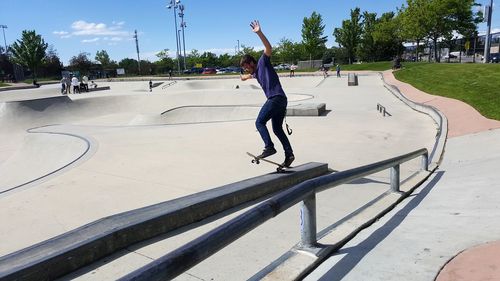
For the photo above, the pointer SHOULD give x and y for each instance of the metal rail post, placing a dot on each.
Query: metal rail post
(308, 221)
(395, 178)
(425, 162)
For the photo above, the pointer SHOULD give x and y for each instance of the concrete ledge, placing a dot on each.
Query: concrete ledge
(65, 253)
(352, 79)
(306, 109)
(10, 88)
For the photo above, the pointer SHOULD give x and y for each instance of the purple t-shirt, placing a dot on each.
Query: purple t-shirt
(268, 78)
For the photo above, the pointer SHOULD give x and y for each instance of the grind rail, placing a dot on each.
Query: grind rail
(178, 261)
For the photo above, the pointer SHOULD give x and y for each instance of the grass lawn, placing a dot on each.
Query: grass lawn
(3, 84)
(375, 66)
(475, 84)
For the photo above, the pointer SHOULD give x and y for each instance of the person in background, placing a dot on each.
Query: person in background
(63, 85)
(85, 81)
(68, 85)
(150, 85)
(338, 70)
(292, 70)
(75, 84)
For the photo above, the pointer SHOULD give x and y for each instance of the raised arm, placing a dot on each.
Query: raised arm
(267, 46)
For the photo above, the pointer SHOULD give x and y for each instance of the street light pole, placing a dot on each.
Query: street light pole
(183, 25)
(238, 46)
(180, 47)
(174, 4)
(3, 27)
(489, 11)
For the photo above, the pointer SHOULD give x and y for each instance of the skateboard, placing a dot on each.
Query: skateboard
(257, 160)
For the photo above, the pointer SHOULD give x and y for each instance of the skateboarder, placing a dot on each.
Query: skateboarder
(274, 108)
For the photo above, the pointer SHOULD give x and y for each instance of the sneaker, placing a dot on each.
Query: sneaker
(288, 161)
(267, 152)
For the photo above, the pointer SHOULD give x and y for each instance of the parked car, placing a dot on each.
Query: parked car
(495, 58)
(233, 69)
(194, 70)
(451, 56)
(283, 66)
(209, 70)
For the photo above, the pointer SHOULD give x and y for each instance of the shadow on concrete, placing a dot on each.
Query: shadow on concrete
(355, 254)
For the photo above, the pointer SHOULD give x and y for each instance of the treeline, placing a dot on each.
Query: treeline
(365, 36)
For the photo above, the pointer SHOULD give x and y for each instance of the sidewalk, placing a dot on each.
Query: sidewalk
(428, 236)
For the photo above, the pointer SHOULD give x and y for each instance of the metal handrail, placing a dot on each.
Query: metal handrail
(192, 253)
(382, 110)
(168, 84)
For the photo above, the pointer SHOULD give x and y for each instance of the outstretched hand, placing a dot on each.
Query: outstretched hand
(255, 26)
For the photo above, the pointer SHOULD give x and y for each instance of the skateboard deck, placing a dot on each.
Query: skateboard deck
(257, 160)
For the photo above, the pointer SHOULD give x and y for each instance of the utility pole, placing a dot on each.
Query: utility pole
(488, 13)
(238, 46)
(3, 27)
(137, 47)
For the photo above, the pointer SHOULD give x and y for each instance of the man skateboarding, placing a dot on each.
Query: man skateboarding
(274, 108)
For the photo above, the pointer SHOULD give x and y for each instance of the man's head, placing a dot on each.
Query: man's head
(248, 63)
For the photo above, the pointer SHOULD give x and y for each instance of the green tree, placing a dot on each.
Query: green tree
(288, 51)
(367, 49)
(446, 16)
(164, 62)
(192, 58)
(313, 40)
(130, 66)
(208, 59)
(387, 36)
(81, 62)
(103, 58)
(52, 65)
(29, 51)
(250, 51)
(414, 21)
(225, 60)
(349, 35)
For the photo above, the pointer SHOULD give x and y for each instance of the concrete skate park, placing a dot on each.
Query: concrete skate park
(107, 184)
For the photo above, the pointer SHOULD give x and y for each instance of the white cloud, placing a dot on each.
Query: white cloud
(114, 32)
(90, 40)
(60, 32)
(82, 27)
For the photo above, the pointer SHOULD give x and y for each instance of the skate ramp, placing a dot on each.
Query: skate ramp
(300, 82)
(219, 84)
(38, 157)
(206, 114)
(33, 113)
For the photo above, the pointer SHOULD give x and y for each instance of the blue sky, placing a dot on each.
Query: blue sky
(216, 26)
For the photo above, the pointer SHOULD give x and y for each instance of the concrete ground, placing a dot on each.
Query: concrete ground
(456, 209)
(69, 160)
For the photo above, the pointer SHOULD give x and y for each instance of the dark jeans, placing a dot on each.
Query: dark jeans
(274, 109)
